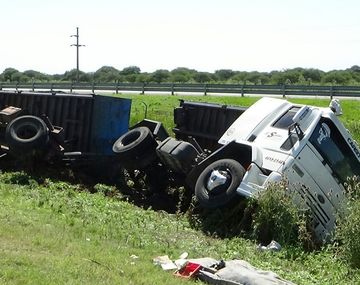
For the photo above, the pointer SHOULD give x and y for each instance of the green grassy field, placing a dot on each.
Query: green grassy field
(160, 107)
(57, 233)
(53, 232)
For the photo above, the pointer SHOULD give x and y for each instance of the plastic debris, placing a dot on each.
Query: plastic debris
(190, 269)
(216, 272)
(181, 262)
(272, 246)
(165, 262)
(184, 255)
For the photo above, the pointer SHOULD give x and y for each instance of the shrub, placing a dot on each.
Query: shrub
(19, 177)
(278, 217)
(273, 215)
(348, 229)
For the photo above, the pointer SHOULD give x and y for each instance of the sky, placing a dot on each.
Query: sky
(206, 35)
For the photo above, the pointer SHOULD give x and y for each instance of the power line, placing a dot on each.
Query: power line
(77, 45)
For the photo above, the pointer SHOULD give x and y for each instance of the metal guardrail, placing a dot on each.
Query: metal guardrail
(172, 88)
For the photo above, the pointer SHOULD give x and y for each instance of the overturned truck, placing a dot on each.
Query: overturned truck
(220, 152)
(55, 126)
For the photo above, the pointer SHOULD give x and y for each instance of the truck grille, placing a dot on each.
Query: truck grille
(311, 201)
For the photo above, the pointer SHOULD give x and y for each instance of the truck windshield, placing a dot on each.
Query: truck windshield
(336, 152)
(286, 119)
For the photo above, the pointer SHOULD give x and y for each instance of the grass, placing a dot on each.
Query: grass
(160, 107)
(57, 233)
(53, 232)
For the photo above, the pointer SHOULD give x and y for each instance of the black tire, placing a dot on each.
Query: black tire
(136, 148)
(26, 133)
(134, 142)
(222, 194)
(178, 155)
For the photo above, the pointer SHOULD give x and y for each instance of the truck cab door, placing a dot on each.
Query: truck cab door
(324, 165)
(317, 188)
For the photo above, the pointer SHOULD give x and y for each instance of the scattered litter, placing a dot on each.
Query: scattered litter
(189, 270)
(165, 262)
(212, 271)
(169, 266)
(184, 255)
(180, 263)
(272, 246)
(133, 256)
(237, 272)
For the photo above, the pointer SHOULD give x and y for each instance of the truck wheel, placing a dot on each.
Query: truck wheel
(177, 155)
(134, 145)
(26, 133)
(217, 184)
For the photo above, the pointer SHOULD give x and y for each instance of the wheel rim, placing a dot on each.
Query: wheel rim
(218, 181)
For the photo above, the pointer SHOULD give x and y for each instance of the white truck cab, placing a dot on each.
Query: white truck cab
(305, 145)
(270, 141)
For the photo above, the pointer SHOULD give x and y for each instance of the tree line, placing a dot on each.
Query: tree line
(132, 74)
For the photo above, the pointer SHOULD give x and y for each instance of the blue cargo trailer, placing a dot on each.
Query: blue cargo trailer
(91, 123)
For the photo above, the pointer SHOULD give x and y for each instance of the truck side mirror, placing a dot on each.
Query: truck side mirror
(336, 107)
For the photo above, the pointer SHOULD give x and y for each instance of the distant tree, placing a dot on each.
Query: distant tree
(85, 77)
(265, 78)
(253, 77)
(90, 76)
(277, 78)
(57, 77)
(224, 74)
(337, 77)
(19, 77)
(239, 77)
(292, 76)
(130, 70)
(256, 77)
(106, 74)
(349, 76)
(202, 77)
(302, 80)
(355, 77)
(182, 74)
(72, 76)
(131, 78)
(289, 76)
(8, 72)
(180, 77)
(121, 78)
(36, 75)
(355, 68)
(160, 75)
(313, 75)
(143, 77)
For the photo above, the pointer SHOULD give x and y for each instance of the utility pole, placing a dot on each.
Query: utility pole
(77, 45)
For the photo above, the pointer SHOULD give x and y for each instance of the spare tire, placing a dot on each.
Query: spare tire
(136, 145)
(26, 133)
(217, 184)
